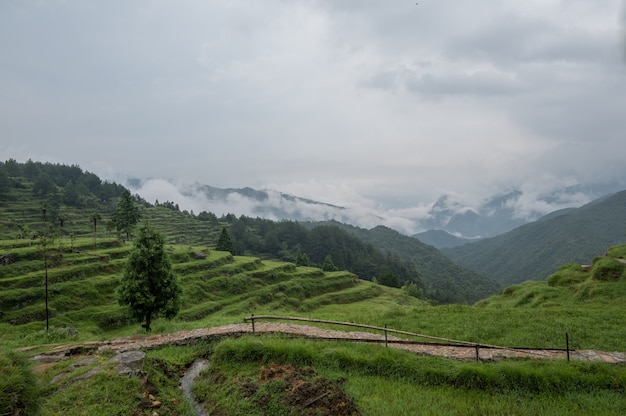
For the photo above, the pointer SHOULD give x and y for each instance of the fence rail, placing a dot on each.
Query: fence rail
(443, 341)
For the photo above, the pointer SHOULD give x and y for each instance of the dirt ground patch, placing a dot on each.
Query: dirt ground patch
(305, 331)
(300, 389)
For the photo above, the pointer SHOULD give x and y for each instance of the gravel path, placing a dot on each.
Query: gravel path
(312, 332)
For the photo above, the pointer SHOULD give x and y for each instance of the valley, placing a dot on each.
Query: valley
(61, 264)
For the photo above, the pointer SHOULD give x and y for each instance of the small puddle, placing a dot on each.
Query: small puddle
(187, 380)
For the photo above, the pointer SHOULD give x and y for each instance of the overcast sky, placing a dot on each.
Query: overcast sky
(389, 102)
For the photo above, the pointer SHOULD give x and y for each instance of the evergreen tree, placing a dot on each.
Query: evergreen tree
(126, 215)
(148, 285)
(328, 265)
(389, 278)
(225, 243)
(5, 183)
(302, 259)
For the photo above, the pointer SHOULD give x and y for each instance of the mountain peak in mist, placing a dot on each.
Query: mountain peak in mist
(495, 215)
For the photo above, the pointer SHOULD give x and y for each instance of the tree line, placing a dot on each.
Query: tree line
(327, 247)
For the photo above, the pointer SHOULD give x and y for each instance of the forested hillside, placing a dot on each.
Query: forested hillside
(66, 201)
(445, 281)
(534, 251)
(74, 199)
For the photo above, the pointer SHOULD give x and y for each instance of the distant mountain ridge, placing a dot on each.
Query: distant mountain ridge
(493, 216)
(503, 212)
(535, 250)
(270, 203)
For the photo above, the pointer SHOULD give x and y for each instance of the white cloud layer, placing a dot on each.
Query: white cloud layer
(381, 105)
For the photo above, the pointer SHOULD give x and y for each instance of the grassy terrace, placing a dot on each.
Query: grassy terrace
(220, 288)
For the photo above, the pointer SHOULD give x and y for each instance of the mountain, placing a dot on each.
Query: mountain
(502, 212)
(457, 216)
(270, 204)
(441, 239)
(445, 281)
(535, 250)
(493, 217)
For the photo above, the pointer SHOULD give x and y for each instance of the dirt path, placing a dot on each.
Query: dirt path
(311, 332)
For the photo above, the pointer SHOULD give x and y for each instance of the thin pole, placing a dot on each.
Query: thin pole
(385, 335)
(45, 261)
(567, 345)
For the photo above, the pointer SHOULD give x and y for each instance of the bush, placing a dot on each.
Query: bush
(19, 390)
(607, 269)
(566, 275)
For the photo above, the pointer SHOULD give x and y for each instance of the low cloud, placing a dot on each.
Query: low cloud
(339, 203)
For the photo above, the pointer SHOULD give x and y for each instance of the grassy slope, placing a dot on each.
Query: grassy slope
(218, 288)
(221, 289)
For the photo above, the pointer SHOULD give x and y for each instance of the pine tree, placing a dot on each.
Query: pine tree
(328, 265)
(302, 259)
(148, 285)
(224, 243)
(126, 215)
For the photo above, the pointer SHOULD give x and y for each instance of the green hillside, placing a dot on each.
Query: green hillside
(599, 285)
(444, 280)
(218, 287)
(536, 250)
(36, 198)
(269, 375)
(82, 262)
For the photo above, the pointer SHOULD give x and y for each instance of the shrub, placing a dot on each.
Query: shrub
(606, 269)
(19, 390)
(566, 275)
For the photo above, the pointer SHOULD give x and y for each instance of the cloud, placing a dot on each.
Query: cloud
(390, 104)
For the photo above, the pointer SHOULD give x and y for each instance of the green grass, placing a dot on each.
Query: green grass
(19, 388)
(218, 288)
(382, 381)
(222, 289)
(390, 382)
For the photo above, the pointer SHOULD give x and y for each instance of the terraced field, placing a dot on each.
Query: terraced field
(217, 288)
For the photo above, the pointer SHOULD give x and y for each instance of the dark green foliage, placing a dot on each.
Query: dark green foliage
(69, 184)
(208, 216)
(389, 278)
(440, 278)
(302, 259)
(19, 389)
(328, 265)
(5, 182)
(411, 289)
(225, 243)
(288, 241)
(43, 185)
(126, 215)
(148, 285)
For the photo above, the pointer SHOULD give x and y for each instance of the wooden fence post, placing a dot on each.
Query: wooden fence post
(567, 345)
(252, 319)
(477, 353)
(385, 335)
